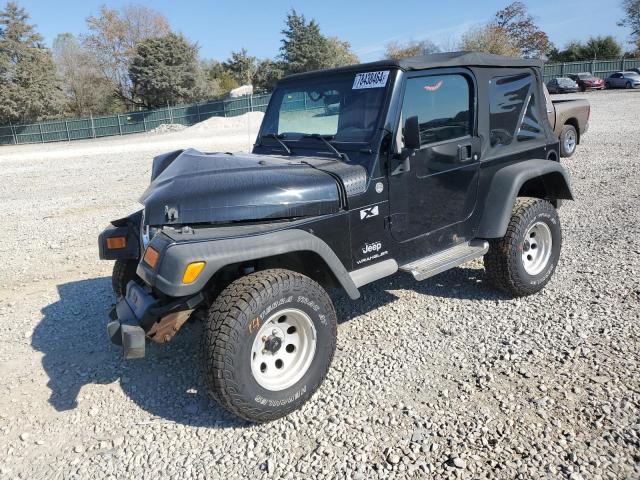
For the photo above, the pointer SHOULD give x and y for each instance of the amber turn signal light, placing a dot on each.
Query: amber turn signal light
(192, 272)
(151, 256)
(116, 243)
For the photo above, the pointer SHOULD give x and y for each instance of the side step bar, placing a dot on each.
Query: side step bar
(426, 267)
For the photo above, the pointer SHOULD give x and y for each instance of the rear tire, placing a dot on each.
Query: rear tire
(270, 321)
(568, 141)
(123, 272)
(522, 262)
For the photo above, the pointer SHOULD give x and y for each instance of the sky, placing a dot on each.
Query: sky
(222, 26)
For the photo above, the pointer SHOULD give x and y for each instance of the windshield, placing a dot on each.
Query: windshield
(343, 108)
(565, 81)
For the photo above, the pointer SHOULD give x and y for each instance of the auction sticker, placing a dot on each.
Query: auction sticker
(370, 80)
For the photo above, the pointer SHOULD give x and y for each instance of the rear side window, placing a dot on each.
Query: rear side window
(514, 113)
(442, 104)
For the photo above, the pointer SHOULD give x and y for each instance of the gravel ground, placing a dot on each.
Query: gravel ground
(442, 379)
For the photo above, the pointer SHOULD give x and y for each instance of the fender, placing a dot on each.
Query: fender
(218, 253)
(540, 178)
(128, 227)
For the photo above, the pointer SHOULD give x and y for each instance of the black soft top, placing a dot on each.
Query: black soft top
(434, 60)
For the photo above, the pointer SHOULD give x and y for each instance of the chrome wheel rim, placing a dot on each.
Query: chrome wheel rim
(536, 248)
(283, 349)
(570, 141)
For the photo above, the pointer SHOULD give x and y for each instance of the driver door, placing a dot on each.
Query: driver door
(438, 193)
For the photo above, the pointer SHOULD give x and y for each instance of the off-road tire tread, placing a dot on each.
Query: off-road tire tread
(124, 270)
(230, 314)
(499, 269)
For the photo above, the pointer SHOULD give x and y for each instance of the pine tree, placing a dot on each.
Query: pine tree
(29, 88)
(164, 71)
(304, 47)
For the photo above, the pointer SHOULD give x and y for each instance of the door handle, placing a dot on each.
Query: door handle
(464, 153)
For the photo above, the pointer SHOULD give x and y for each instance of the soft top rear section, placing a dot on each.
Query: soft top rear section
(435, 60)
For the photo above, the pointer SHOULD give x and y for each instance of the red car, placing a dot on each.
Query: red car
(587, 81)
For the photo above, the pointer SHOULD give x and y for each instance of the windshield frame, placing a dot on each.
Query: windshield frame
(309, 143)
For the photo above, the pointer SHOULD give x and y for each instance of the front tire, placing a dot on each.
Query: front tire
(523, 261)
(568, 141)
(124, 270)
(268, 343)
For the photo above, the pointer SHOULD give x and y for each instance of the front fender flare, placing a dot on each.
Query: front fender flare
(218, 253)
(507, 184)
(128, 227)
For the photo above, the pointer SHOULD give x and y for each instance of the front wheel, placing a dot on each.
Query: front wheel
(124, 270)
(522, 262)
(628, 85)
(268, 343)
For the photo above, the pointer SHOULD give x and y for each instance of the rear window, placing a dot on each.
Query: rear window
(514, 114)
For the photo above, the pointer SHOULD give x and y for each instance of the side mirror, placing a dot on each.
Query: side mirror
(411, 133)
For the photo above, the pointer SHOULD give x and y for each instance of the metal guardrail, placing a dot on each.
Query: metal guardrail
(143, 121)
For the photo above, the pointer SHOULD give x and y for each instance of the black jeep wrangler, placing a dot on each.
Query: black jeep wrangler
(416, 165)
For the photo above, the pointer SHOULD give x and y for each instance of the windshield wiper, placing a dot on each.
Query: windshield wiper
(317, 136)
(278, 138)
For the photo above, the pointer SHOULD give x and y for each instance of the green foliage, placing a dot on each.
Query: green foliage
(521, 29)
(29, 88)
(596, 48)
(242, 66)
(412, 48)
(305, 48)
(268, 72)
(163, 71)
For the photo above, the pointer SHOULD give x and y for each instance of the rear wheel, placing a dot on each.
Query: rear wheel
(522, 262)
(568, 141)
(268, 344)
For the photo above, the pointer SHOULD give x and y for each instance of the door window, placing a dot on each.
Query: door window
(442, 104)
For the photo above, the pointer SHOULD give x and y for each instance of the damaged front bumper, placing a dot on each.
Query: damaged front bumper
(139, 315)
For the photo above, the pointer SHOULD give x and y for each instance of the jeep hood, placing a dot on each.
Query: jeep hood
(193, 187)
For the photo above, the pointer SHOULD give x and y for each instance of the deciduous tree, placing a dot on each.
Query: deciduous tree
(596, 48)
(632, 20)
(489, 39)
(412, 48)
(522, 30)
(112, 40)
(87, 91)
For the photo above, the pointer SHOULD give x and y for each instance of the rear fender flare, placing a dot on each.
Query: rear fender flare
(537, 178)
